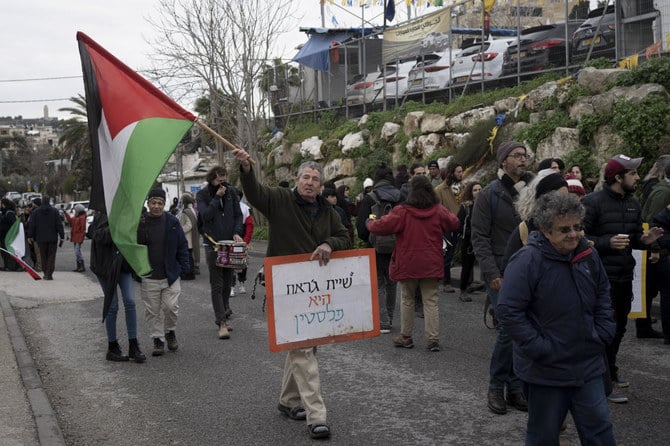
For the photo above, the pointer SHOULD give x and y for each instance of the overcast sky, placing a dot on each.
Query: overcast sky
(40, 58)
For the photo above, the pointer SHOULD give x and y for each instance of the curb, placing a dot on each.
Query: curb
(48, 431)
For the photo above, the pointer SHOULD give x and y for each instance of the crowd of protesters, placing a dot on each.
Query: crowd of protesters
(517, 227)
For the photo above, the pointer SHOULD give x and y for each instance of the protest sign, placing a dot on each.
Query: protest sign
(308, 304)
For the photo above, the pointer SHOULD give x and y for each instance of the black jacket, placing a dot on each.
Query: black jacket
(219, 217)
(385, 191)
(609, 213)
(45, 225)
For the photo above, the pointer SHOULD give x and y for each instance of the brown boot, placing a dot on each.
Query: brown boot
(223, 330)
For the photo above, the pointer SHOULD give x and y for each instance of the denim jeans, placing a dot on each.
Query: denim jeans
(77, 253)
(128, 294)
(386, 290)
(220, 282)
(622, 295)
(548, 406)
(501, 372)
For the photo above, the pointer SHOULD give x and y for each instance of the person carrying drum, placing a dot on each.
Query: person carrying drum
(219, 220)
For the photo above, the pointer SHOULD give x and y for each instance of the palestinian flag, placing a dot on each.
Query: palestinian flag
(15, 240)
(134, 128)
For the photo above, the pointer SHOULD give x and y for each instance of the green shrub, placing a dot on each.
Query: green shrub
(350, 126)
(476, 144)
(599, 63)
(656, 71)
(575, 92)
(261, 232)
(582, 156)
(642, 126)
(589, 124)
(535, 133)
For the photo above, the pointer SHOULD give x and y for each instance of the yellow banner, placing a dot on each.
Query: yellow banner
(406, 40)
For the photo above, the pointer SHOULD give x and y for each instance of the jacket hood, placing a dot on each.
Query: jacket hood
(422, 213)
(387, 191)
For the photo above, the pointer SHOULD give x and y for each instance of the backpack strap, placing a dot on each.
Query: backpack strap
(523, 233)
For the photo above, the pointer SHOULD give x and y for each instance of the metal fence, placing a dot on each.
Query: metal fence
(547, 35)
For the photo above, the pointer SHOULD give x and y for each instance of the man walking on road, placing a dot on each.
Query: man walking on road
(45, 228)
(301, 221)
(494, 218)
(221, 217)
(613, 223)
(168, 256)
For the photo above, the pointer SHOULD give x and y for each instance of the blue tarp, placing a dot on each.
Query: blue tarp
(314, 53)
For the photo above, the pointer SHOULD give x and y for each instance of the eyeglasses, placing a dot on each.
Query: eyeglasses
(518, 156)
(569, 229)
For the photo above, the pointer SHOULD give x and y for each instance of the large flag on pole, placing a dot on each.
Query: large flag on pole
(134, 128)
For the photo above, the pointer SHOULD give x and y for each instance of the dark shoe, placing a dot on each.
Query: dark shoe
(518, 401)
(294, 413)
(114, 352)
(171, 339)
(134, 351)
(159, 347)
(403, 341)
(319, 430)
(496, 401)
(666, 341)
(649, 334)
(617, 396)
(385, 328)
(433, 346)
(463, 296)
(228, 312)
(622, 383)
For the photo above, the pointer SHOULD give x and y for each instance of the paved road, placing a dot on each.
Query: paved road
(225, 391)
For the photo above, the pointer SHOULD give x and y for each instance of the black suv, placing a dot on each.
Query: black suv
(603, 43)
(541, 47)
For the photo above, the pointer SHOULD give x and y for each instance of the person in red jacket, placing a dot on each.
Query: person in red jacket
(77, 233)
(419, 225)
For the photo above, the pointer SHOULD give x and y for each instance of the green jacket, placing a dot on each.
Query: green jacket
(657, 200)
(292, 231)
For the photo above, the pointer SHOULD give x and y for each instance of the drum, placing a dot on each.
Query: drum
(231, 254)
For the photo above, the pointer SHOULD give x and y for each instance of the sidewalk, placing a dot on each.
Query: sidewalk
(26, 415)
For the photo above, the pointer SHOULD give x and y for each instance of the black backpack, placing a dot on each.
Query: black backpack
(383, 244)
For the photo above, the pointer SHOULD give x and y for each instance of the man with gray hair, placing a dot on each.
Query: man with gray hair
(555, 305)
(301, 221)
(493, 220)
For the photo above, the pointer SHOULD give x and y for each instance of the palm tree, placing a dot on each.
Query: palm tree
(75, 141)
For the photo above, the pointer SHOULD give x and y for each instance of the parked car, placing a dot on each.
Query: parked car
(431, 72)
(540, 47)
(603, 43)
(467, 66)
(396, 80)
(360, 90)
(14, 196)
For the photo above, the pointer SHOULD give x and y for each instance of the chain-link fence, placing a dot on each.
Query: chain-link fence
(464, 47)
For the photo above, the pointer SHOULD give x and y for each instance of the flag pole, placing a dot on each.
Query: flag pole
(211, 131)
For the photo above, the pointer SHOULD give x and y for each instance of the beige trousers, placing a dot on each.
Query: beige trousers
(157, 295)
(430, 308)
(301, 384)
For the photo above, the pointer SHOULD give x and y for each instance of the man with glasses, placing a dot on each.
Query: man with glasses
(555, 305)
(613, 223)
(494, 218)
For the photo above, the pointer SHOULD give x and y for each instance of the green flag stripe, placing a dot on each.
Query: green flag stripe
(11, 236)
(149, 148)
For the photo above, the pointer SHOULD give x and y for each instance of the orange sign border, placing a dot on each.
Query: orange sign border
(270, 262)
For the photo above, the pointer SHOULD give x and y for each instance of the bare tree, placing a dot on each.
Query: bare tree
(220, 48)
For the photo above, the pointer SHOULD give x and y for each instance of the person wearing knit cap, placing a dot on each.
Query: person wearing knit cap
(434, 173)
(575, 186)
(546, 181)
(613, 224)
(167, 248)
(493, 220)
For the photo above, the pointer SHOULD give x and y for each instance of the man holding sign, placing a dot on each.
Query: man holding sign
(301, 222)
